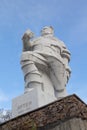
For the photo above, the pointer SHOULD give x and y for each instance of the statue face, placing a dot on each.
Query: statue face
(47, 31)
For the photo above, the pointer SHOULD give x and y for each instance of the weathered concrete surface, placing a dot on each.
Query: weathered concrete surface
(45, 65)
(70, 124)
(69, 113)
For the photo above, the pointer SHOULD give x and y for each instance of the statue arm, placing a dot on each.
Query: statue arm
(27, 43)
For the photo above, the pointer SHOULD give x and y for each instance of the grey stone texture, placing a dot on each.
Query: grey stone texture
(45, 64)
(69, 113)
(70, 124)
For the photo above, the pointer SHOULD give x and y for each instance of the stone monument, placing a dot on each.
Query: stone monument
(44, 62)
(45, 65)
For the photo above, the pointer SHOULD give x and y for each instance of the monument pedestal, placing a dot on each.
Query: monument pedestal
(69, 113)
(31, 100)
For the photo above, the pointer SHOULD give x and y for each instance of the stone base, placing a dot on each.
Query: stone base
(69, 113)
(29, 101)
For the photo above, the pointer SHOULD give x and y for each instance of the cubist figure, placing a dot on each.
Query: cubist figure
(45, 63)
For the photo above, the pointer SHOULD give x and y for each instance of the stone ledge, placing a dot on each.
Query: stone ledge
(63, 109)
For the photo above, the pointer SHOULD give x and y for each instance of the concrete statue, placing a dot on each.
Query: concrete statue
(45, 65)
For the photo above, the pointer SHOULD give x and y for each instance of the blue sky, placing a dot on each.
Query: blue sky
(69, 19)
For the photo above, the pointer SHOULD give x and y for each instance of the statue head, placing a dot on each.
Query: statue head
(47, 31)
